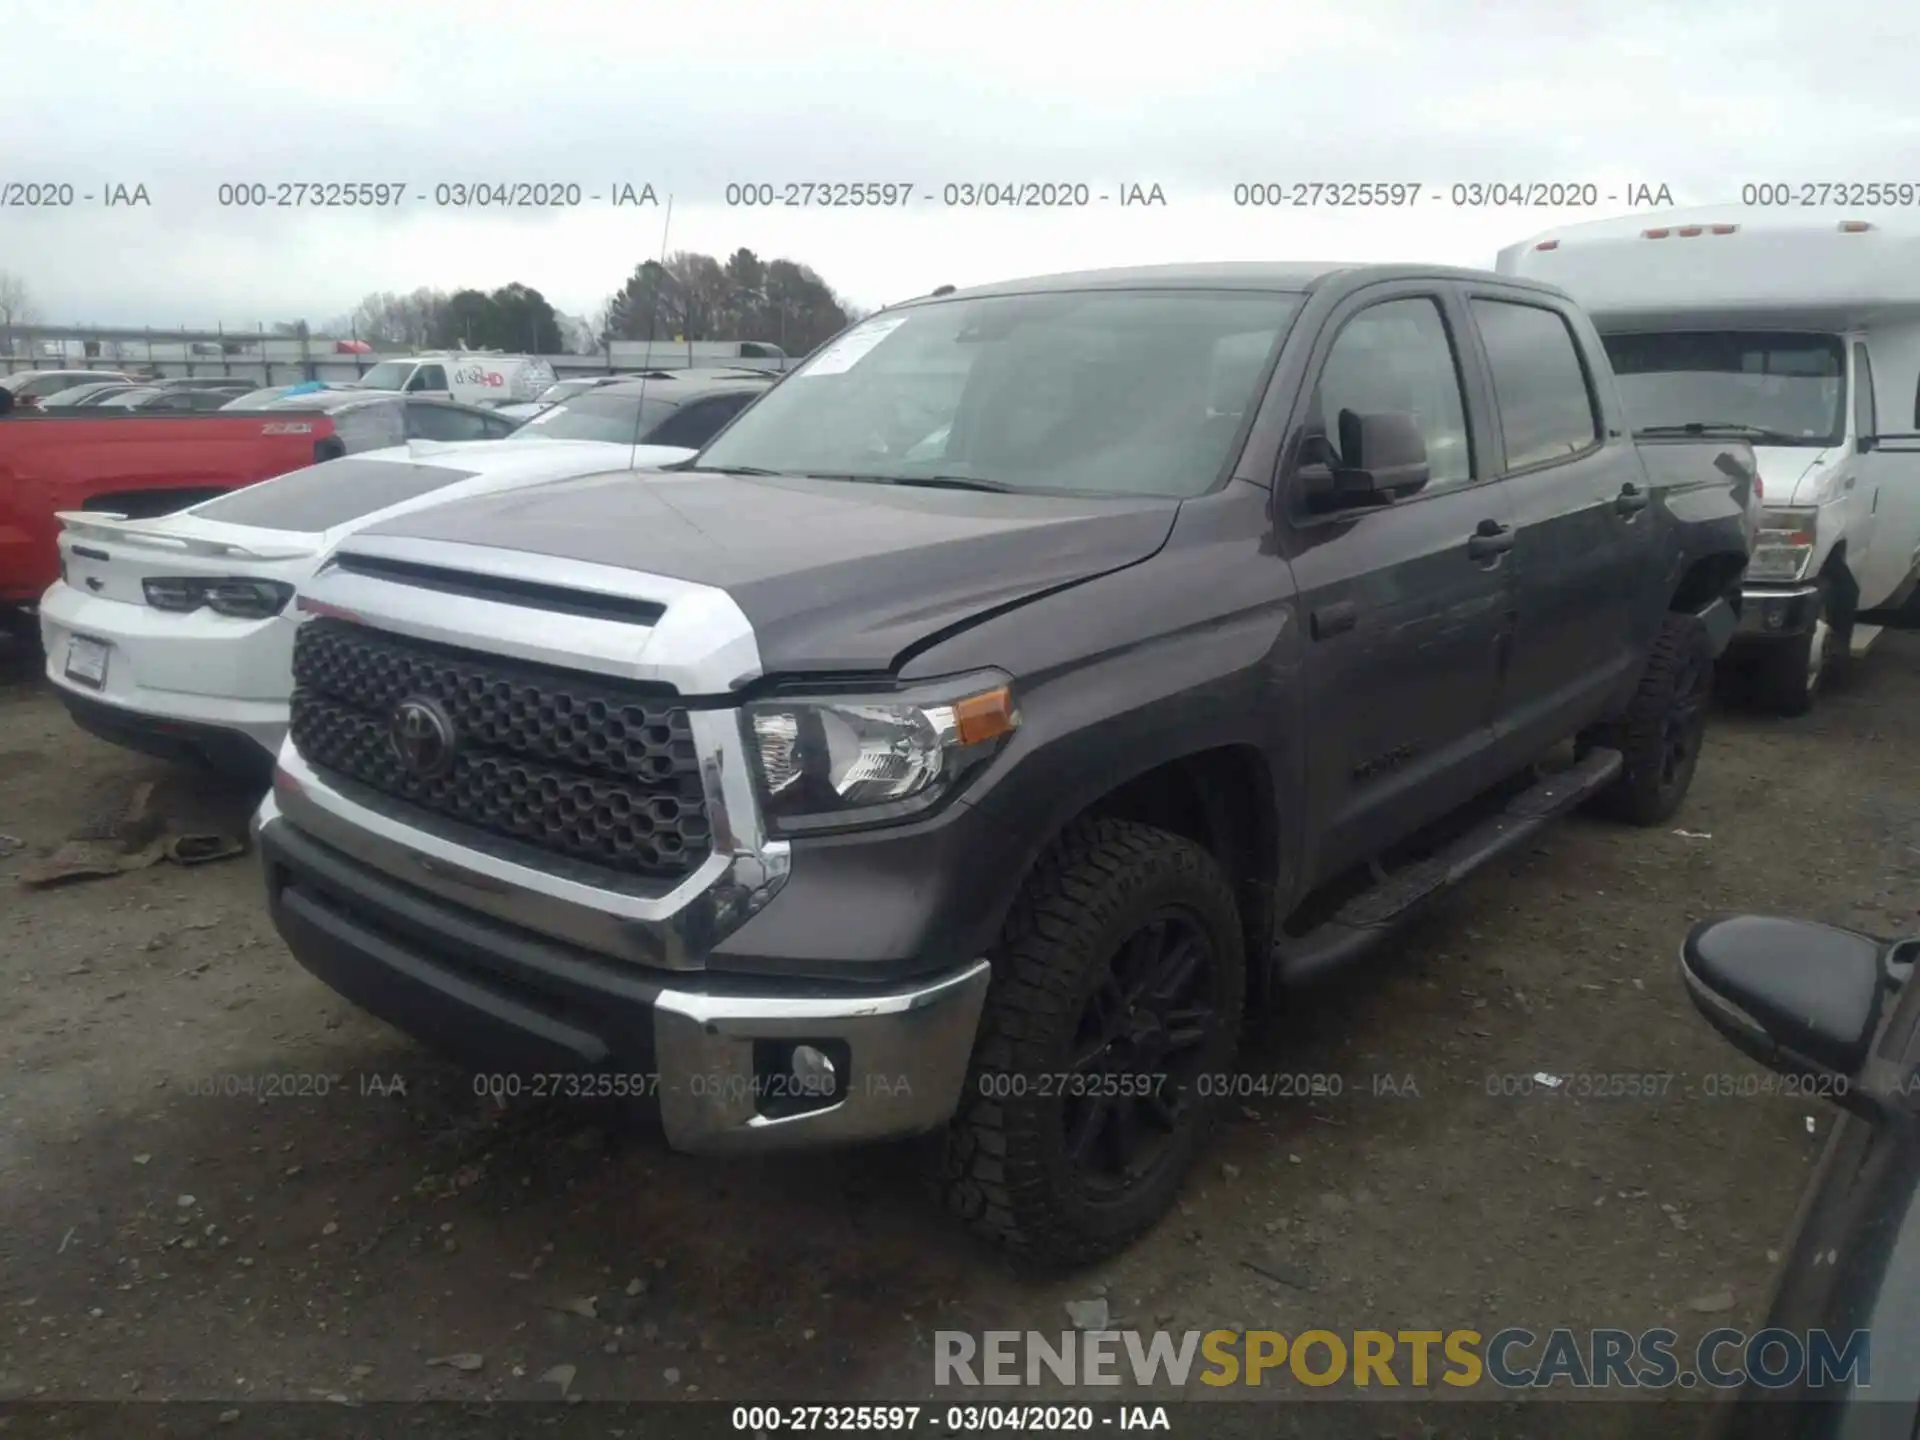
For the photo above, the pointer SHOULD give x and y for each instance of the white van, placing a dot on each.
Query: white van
(1799, 332)
(473, 377)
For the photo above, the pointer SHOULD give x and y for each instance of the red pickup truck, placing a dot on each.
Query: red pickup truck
(135, 465)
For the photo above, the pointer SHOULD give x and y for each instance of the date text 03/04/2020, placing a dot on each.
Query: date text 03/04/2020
(947, 1419)
(642, 1085)
(952, 194)
(1460, 194)
(471, 194)
(1665, 1085)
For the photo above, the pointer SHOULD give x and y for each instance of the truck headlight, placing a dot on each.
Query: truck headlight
(836, 762)
(1784, 547)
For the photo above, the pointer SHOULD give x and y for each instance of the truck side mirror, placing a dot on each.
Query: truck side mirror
(1801, 998)
(1382, 458)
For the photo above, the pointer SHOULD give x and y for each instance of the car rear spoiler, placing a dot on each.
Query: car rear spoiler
(105, 525)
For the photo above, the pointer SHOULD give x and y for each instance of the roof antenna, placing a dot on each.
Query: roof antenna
(944, 290)
(653, 311)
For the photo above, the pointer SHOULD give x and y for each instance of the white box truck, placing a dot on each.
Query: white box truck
(1798, 331)
(473, 377)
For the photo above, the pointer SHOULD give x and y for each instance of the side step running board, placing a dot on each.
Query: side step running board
(1378, 911)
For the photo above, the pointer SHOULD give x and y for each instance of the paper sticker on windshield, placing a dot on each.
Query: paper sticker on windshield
(846, 352)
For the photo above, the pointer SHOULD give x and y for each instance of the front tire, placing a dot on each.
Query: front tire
(1660, 733)
(1119, 984)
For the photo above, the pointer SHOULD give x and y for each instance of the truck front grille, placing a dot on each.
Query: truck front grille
(581, 765)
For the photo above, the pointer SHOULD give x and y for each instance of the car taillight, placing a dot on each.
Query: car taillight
(175, 594)
(242, 599)
(248, 599)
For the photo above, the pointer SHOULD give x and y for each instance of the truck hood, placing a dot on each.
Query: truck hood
(835, 576)
(1796, 474)
(490, 467)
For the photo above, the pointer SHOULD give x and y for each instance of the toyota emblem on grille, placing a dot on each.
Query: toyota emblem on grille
(422, 737)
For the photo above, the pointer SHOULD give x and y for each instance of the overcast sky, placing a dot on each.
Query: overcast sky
(1194, 98)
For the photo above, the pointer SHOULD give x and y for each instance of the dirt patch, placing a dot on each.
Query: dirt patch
(218, 1181)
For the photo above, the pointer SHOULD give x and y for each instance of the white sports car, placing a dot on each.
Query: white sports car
(173, 635)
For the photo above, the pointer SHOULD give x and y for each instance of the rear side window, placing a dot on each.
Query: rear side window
(693, 425)
(371, 427)
(322, 496)
(443, 422)
(1539, 385)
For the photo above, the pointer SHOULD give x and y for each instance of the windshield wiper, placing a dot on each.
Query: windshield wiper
(1725, 427)
(932, 482)
(729, 470)
(958, 482)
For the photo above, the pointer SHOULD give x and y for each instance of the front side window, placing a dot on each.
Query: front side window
(1866, 419)
(429, 377)
(1121, 392)
(1397, 358)
(1780, 388)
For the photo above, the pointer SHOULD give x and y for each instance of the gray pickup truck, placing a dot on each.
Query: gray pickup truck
(1003, 704)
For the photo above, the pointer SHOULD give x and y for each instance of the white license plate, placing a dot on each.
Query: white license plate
(87, 661)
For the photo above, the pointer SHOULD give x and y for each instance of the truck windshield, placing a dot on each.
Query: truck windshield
(1789, 384)
(1126, 392)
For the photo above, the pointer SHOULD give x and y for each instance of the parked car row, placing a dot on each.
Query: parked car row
(170, 631)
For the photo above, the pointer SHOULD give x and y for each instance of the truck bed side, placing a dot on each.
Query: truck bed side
(1709, 488)
(52, 463)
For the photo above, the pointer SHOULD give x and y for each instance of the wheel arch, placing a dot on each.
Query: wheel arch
(1707, 579)
(1225, 799)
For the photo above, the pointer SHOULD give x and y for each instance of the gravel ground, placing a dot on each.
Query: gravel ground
(170, 1229)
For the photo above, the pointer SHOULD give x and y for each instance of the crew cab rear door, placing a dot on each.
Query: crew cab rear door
(1404, 606)
(1586, 544)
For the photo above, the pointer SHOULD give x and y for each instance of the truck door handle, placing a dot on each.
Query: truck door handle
(1332, 619)
(1632, 500)
(1492, 538)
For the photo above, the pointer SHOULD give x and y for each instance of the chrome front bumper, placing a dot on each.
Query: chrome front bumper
(717, 1058)
(1777, 612)
(907, 1051)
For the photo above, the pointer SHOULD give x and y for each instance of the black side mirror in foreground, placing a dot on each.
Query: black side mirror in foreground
(1803, 999)
(1387, 455)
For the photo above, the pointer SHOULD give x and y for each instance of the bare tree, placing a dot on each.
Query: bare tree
(16, 308)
